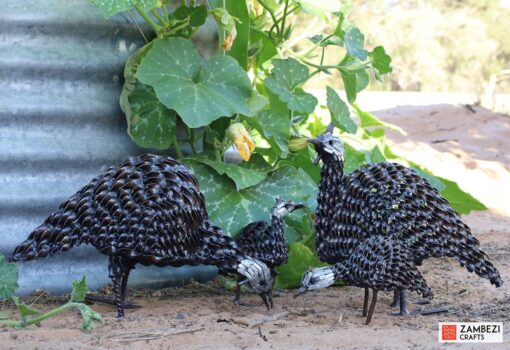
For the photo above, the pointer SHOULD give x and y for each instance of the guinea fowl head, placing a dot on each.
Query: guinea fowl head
(328, 146)
(283, 207)
(316, 278)
(258, 277)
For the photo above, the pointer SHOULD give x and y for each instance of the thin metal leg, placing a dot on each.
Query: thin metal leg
(396, 298)
(403, 303)
(365, 303)
(119, 273)
(372, 307)
(237, 299)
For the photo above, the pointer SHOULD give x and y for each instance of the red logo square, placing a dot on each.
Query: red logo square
(449, 332)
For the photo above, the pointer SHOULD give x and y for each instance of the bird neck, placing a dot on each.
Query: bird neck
(332, 170)
(277, 227)
(341, 272)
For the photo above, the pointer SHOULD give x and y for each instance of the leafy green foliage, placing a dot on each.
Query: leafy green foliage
(79, 290)
(199, 93)
(168, 83)
(275, 127)
(150, 123)
(109, 8)
(285, 81)
(232, 210)
(301, 258)
(245, 175)
(8, 278)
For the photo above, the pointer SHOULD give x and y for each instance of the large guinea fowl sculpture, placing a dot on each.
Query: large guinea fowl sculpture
(148, 210)
(388, 199)
(266, 242)
(379, 263)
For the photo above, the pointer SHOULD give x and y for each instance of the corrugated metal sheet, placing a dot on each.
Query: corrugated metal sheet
(61, 69)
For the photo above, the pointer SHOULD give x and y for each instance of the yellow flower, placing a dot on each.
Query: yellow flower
(241, 139)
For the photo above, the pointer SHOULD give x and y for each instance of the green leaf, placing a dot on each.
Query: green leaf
(109, 8)
(8, 278)
(380, 60)
(79, 290)
(301, 258)
(461, 201)
(355, 43)
(340, 114)
(256, 103)
(354, 80)
(199, 93)
(196, 14)
(304, 160)
(239, 50)
(367, 119)
(232, 210)
(274, 127)
(244, 175)
(285, 80)
(150, 123)
(353, 159)
(267, 50)
(23, 309)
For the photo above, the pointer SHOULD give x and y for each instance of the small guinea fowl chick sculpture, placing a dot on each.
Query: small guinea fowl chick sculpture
(148, 210)
(379, 263)
(266, 242)
(390, 200)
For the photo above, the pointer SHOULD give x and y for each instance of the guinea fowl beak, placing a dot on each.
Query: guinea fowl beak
(267, 298)
(298, 206)
(316, 142)
(300, 291)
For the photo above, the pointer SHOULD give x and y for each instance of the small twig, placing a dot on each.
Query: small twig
(436, 311)
(131, 336)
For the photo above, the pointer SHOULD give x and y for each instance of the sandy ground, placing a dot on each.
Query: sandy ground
(454, 142)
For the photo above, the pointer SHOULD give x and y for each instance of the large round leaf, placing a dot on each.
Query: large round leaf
(199, 93)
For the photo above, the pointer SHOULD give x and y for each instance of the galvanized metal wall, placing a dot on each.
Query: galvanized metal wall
(61, 69)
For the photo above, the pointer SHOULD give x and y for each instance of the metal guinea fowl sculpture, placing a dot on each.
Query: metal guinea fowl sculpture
(390, 200)
(266, 242)
(379, 263)
(148, 210)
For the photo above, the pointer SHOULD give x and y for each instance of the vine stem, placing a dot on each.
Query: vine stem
(54, 312)
(147, 18)
(284, 18)
(177, 148)
(160, 18)
(271, 13)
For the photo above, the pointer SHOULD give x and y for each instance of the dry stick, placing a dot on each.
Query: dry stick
(148, 335)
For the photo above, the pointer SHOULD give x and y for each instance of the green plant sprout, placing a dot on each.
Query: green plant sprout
(28, 315)
(251, 97)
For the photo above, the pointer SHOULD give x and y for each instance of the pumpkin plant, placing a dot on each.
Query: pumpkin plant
(250, 99)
